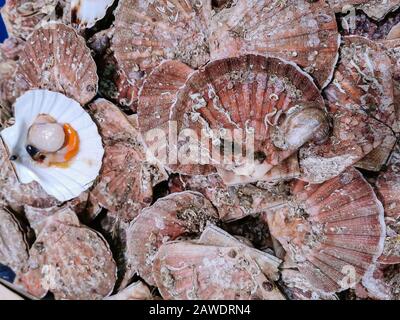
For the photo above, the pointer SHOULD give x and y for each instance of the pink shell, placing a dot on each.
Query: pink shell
(13, 245)
(304, 32)
(57, 59)
(79, 266)
(176, 215)
(267, 91)
(331, 230)
(188, 271)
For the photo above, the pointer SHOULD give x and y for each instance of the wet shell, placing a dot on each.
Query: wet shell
(136, 291)
(361, 103)
(13, 244)
(63, 182)
(16, 194)
(85, 13)
(176, 215)
(334, 231)
(187, 271)
(388, 188)
(275, 103)
(23, 16)
(127, 178)
(57, 59)
(79, 266)
(304, 32)
(148, 32)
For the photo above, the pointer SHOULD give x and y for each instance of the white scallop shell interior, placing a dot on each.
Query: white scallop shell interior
(88, 12)
(62, 183)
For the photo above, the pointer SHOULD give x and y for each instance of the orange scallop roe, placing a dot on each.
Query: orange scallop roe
(71, 146)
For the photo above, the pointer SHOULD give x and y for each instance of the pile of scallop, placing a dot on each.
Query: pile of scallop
(89, 209)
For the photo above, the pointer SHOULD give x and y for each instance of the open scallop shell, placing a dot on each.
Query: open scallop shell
(304, 32)
(361, 103)
(275, 104)
(57, 59)
(61, 183)
(176, 215)
(148, 32)
(85, 13)
(188, 271)
(13, 243)
(334, 231)
(79, 266)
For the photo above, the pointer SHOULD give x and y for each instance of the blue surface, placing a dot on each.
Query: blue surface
(3, 32)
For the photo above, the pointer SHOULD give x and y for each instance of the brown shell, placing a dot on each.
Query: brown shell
(148, 32)
(361, 104)
(23, 16)
(136, 291)
(126, 180)
(388, 190)
(188, 271)
(57, 59)
(333, 231)
(69, 260)
(13, 243)
(176, 215)
(274, 101)
(304, 32)
(15, 194)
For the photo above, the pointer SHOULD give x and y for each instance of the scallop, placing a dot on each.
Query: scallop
(81, 158)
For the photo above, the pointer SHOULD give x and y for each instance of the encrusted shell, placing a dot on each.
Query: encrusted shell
(85, 13)
(13, 243)
(176, 215)
(361, 104)
(334, 231)
(69, 260)
(57, 59)
(63, 183)
(268, 93)
(188, 271)
(304, 32)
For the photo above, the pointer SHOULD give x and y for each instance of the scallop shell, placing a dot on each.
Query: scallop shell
(57, 59)
(388, 188)
(85, 13)
(275, 103)
(334, 231)
(184, 270)
(300, 31)
(176, 215)
(361, 103)
(62, 183)
(127, 178)
(136, 291)
(21, 17)
(148, 32)
(15, 194)
(13, 243)
(80, 266)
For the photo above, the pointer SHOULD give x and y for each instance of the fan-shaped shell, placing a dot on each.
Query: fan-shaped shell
(13, 244)
(16, 194)
(361, 103)
(274, 102)
(85, 13)
(388, 188)
(168, 218)
(63, 183)
(69, 260)
(334, 231)
(183, 270)
(127, 178)
(148, 32)
(57, 59)
(304, 32)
